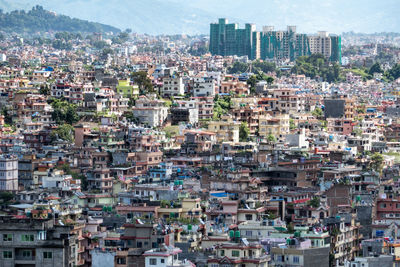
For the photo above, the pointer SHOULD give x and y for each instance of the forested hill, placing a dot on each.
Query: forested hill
(40, 20)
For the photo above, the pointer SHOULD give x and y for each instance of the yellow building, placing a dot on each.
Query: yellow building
(191, 207)
(226, 129)
(395, 251)
(170, 213)
(277, 126)
(127, 90)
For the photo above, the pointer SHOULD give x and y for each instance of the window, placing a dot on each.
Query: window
(7, 237)
(153, 261)
(222, 252)
(162, 261)
(280, 258)
(235, 253)
(249, 233)
(296, 259)
(26, 253)
(47, 255)
(7, 254)
(121, 260)
(249, 216)
(41, 235)
(27, 238)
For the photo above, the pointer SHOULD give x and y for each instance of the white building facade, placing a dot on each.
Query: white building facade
(8, 173)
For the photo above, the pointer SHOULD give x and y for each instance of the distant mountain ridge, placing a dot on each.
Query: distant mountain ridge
(194, 17)
(41, 20)
(142, 16)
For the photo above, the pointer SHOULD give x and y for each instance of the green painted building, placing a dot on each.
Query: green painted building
(127, 90)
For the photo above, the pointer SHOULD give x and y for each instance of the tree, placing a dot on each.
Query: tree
(106, 51)
(100, 44)
(221, 106)
(7, 116)
(270, 80)
(393, 73)
(292, 125)
(64, 132)
(317, 65)
(376, 162)
(64, 112)
(271, 138)
(376, 68)
(238, 67)
(264, 66)
(314, 202)
(252, 81)
(44, 90)
(317, 112)
(143, 81)
(243, 132)
(6, 196)
(62, 45)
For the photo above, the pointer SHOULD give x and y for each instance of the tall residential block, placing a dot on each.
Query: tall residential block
(227, 39)
(269, 44)
(8, 173)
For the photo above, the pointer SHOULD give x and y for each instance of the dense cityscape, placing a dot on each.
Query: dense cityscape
(237, 148)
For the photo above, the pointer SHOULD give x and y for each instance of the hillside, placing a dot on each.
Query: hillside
(41, 20)
(150, 16)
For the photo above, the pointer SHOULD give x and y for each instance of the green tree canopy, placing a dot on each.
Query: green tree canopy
(271, 138)
(64, 132)
(64, 112)
(6, 196)
(394, 73)
(251, 82)
(143, 81)
(221, 106)
(243, 132)
(317, 65)
(270, 80)
(314, 202)
(317, 112)
(376, 162)
(40, 20)
(376, 68)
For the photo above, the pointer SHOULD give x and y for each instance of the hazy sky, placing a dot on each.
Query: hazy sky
(312, 15)
(195, 16)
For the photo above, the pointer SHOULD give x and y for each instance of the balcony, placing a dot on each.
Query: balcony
(20, 259)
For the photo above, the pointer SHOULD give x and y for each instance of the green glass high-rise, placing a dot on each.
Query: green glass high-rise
(227, 40)
(336, 49)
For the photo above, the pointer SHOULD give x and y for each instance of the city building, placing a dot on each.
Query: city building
(8, 173)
